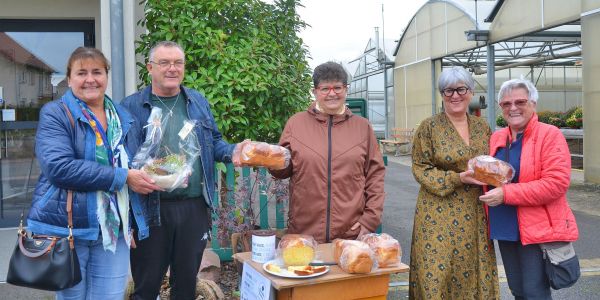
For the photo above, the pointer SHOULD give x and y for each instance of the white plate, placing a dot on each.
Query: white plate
(287, 274)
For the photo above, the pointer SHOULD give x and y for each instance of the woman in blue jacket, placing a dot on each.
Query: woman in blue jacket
(79, 145)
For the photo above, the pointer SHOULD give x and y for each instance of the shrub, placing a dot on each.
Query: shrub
(575, 120)
(245, 56)
(500, 122)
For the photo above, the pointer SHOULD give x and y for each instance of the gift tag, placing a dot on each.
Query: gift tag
(185, 130)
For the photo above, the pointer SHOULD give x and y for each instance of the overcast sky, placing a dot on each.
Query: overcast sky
(340, 29)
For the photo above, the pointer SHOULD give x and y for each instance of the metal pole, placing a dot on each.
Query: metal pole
(433, 89)
(117, 50)
(385, 100)
(491, 85)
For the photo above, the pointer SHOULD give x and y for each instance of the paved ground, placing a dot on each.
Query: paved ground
(401, 192)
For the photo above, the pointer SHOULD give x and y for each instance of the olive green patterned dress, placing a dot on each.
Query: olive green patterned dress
(451, 256)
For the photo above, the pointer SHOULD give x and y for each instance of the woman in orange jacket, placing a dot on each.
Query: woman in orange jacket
(533, 208)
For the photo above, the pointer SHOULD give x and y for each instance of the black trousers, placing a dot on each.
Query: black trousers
(178, 243)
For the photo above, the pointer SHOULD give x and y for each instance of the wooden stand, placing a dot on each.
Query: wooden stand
(336, 284)
(400, 143)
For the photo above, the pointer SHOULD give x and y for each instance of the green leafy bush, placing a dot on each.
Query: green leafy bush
(552, 117)
(245, 56)
(500, 122)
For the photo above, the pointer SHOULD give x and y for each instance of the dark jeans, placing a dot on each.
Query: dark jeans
(524, 268)
(178, 243)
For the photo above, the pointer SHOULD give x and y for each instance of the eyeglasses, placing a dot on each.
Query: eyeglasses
(324, 90)
(519, 103)
(461, 91)
(165, 64)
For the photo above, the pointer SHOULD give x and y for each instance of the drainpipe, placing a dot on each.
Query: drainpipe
(117, 50)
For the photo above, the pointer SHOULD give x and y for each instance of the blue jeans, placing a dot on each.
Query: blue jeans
(525, 271)
(104, 274)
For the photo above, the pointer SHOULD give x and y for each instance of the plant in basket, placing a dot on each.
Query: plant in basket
(169, 171)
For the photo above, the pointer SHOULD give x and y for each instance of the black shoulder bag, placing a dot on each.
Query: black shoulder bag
(46, 262)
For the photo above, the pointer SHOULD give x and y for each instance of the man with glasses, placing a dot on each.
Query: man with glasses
(179, 219)
(337, 173)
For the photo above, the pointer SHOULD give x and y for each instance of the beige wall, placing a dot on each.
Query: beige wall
(97, 10)
(591, 92)
(55, 9)
(413, 104)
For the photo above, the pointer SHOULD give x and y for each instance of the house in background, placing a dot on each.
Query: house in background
(24, 77)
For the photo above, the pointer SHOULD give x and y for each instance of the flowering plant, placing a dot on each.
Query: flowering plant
(241, 214)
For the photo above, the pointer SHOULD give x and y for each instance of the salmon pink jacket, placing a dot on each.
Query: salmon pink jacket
(541, 192)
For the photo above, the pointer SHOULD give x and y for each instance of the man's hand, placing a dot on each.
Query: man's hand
(494, 197)
(140, 182)
(363, 229)
(237, 152)
(466, 177)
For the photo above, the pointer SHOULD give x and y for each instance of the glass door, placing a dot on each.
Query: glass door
(33, 59)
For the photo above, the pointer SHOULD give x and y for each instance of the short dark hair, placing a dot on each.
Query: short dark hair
(166, 44)
(82, 53)
(330, 71)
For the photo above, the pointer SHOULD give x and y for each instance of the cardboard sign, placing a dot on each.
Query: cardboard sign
(254, 285)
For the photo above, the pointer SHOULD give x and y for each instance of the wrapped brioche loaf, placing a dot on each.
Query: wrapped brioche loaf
(297, 249)
(259, 154)
(387, 249)
(491, 170)
(354, 257)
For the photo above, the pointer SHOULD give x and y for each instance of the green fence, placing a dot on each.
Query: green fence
(225, 251)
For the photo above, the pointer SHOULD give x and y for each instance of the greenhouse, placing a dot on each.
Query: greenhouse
(543, 41)
(367, 82)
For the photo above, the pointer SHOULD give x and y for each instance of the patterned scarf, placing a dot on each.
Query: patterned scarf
(112, 208)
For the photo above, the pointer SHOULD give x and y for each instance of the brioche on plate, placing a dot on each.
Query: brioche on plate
(297, 249)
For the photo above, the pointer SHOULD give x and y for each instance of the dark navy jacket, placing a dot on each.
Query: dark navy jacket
(66, 154)
(212, 146)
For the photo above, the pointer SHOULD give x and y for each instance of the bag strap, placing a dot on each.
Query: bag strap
(68, 114)
(70, 192)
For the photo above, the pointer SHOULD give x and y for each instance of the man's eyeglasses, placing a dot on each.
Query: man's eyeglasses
(519, 103)
(461, 91)
(165, 64)
(324, 90)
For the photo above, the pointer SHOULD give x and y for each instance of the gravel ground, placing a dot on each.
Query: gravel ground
(229, 280)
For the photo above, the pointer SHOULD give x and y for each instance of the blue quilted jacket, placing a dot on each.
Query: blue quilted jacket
(66, 155)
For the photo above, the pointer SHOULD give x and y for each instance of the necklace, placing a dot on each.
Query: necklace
(172, 107)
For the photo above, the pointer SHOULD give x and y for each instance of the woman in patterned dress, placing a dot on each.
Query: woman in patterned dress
(451, 254)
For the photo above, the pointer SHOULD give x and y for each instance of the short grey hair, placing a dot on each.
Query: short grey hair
(510, 85)
(454, 76)
(167, 44)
